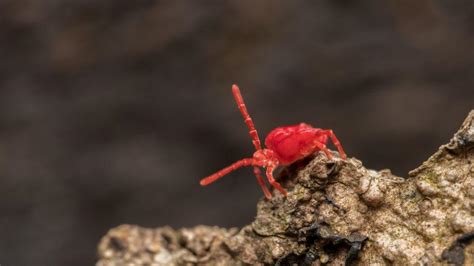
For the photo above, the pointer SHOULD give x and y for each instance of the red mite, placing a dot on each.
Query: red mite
(285, 145)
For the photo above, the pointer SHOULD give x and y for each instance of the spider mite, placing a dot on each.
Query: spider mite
(285, 145)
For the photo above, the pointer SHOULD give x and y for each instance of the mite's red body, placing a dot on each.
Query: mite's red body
(292, 143)
(285, 145)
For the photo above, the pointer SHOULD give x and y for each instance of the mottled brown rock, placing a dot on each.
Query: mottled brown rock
(336, 212)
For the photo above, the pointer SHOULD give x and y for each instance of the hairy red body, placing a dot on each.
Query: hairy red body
(285, 145)
(292, 143)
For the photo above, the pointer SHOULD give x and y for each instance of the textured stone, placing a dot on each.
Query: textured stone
(337, 212)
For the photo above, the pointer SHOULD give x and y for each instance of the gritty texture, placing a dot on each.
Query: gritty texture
(336, 212)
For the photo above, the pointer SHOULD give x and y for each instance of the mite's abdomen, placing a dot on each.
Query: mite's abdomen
(292, 143)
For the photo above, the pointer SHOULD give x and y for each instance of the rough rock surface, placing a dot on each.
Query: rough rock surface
(337, 212)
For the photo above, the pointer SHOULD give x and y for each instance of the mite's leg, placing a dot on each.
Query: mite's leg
(336, 143)
(323, 147)
(212, 178)
(273, 182)
(247, 119)
(258, 174)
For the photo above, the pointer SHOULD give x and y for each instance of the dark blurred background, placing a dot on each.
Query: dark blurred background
(112, 111)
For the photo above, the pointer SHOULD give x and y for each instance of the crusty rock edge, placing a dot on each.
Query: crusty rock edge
(337, 212)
